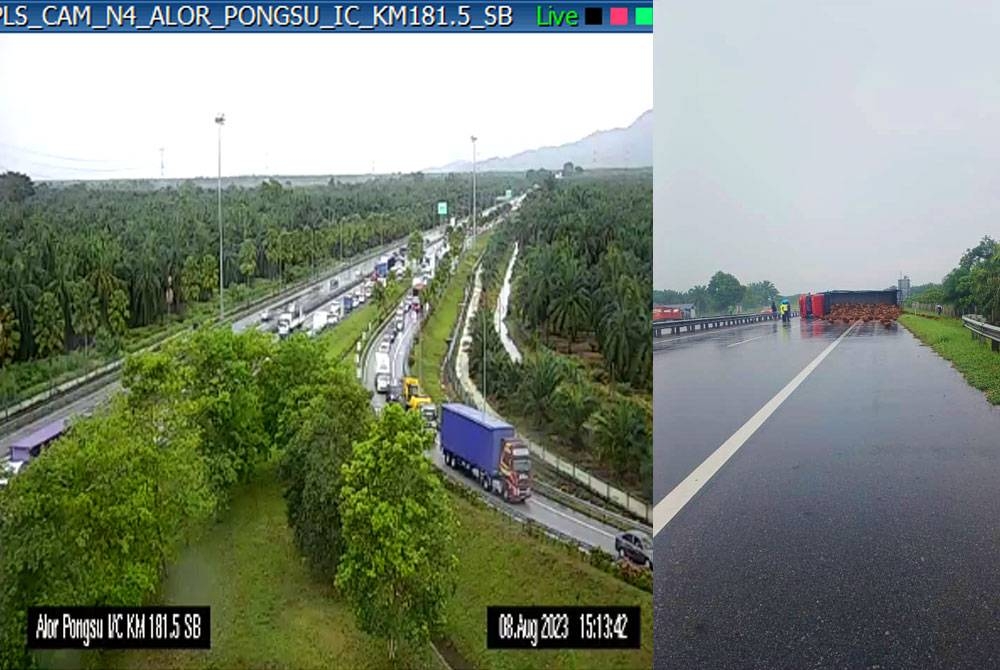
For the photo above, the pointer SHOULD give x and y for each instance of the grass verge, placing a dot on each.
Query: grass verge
(434, 334)
(267, 609)
(948, 337)
(499, 563)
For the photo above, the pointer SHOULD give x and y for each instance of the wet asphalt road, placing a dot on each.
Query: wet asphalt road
(858, 527)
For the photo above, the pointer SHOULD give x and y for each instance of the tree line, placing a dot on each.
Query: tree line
(99, 515)
(566, 284)
(972, 286)
(585, 268)
(722, 294)
(81, 263)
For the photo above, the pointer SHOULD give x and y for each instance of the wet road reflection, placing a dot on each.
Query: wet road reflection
(859, 526)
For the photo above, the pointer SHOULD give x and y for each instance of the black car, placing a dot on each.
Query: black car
(395, 393)
(636, 546)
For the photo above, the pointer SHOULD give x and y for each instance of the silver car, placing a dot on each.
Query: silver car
(636, 546)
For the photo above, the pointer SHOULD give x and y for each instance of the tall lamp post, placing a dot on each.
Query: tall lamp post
(220, 120)
(474, 138)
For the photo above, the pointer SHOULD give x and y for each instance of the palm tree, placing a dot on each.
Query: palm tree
(147, 290)
(622, 435)
(191, 280)
(118, 314)
(541, 374)
(22, 293)
(10, 335)
(86, 312)
(106, 253)
(248, 259)
(574, 403)
(63, 277)
(569, 310)
(49, 325)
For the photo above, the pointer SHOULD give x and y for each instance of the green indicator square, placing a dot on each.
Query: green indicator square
(643, 16)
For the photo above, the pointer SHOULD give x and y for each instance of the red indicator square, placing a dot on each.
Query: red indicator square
(619, 16)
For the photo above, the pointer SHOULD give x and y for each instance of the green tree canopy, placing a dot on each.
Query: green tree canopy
(398, 567)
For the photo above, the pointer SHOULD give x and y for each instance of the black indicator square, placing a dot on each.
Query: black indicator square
(593, 16)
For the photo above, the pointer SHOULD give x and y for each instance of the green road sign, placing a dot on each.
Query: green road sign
(442, 209)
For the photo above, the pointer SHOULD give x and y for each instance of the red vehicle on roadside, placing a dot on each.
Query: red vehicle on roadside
(665, 313)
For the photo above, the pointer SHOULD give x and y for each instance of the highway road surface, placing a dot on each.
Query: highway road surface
(856, 522)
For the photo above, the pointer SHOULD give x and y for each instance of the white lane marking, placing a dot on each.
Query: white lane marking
(744, 341)
(572, 518)
(675, 501)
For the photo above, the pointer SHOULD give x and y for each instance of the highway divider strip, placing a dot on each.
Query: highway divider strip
(682, 494)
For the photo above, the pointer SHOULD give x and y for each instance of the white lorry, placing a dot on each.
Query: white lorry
(383, 372)
(284, 324)
(319, 322)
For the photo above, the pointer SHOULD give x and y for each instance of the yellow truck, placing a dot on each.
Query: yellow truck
(414, 398)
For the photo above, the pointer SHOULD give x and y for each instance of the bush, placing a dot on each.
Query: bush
(94, 520)
(311, 468)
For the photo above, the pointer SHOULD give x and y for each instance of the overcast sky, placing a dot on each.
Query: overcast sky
(101, 106)
(824, 145)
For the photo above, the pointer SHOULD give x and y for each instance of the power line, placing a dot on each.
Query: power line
(68, 159)
(68, 168)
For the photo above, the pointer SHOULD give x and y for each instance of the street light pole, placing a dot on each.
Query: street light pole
(483, 314)
(220, 120)
(474, 138)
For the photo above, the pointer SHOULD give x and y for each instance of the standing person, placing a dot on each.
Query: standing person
(784, 311)
(774, 308)
(939, 310)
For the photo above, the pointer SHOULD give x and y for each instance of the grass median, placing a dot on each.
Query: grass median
(434, 334)
(948, 337)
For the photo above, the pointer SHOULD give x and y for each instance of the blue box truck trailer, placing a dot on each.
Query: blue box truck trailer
(348, 304)
(488, 449)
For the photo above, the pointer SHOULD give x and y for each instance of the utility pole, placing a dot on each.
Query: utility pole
(483, 315)
(220, 120)
(474, 138)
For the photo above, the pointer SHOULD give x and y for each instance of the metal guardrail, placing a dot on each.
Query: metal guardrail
(592, 510)
(982, 330)
(676, 326)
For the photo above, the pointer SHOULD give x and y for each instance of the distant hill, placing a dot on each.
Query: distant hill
(630, 147)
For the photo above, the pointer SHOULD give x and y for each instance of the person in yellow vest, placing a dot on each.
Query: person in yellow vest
(784, 310)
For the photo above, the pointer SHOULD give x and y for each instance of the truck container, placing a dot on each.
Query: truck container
(348, 303)
(883, 297)
(320, 321)
(486, 448)
(802, 305)
(818, 306)
(382, 268)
